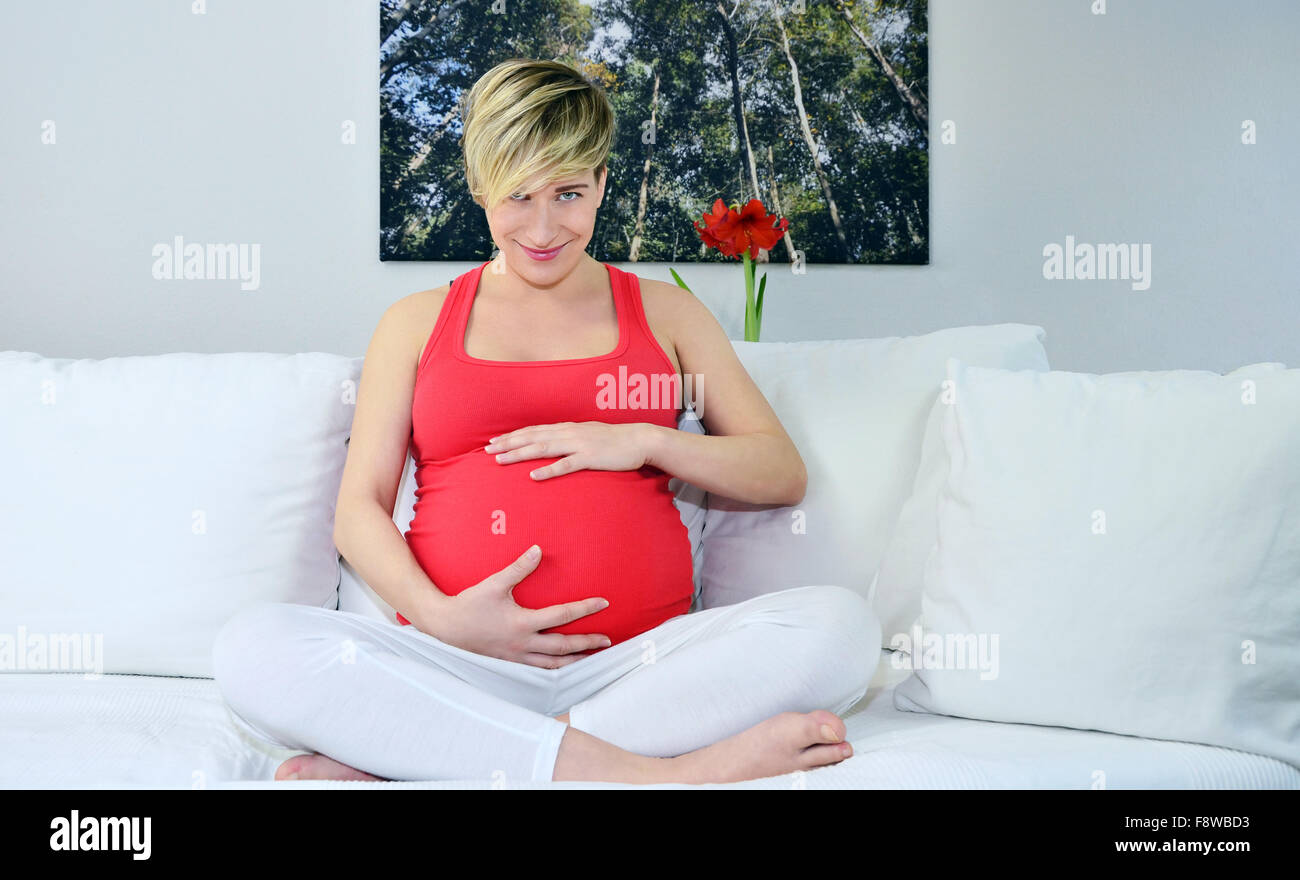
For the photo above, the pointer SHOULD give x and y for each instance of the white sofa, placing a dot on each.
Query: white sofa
(146, 499)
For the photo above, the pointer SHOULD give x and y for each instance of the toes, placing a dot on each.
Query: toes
(829, 726)
(291, 768)
(827, 753)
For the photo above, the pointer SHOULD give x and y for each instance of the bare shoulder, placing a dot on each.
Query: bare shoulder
(682, 314)
(420, 309)
(665, 291)
(421, 302)
(408, 322)
(669, 305)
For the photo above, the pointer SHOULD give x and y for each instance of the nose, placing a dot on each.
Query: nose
(541, 226)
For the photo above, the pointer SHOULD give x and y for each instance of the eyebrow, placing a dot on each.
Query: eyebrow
(568, 186)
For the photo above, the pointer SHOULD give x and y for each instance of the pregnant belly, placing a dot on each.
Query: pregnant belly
(611, 534)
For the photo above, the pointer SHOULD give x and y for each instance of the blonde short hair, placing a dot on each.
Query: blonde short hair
(526, 117)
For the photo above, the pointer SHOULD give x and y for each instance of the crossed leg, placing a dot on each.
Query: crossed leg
(742, 691)
(728, 693)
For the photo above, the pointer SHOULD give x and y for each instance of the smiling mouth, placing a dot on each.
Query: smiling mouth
(540, 252)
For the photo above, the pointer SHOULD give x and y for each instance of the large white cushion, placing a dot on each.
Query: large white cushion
(856, 410)
(693, 505)
(147, 499)
(357, 596)
(1123, 551)
(896, 589)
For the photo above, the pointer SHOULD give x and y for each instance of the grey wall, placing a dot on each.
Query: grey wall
(1123, 127)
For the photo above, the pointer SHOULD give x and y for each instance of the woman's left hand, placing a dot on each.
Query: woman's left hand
(597, 446)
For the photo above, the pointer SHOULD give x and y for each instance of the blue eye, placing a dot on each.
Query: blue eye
(514, 196)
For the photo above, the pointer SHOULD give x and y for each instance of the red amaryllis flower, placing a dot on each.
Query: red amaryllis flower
(732, 232)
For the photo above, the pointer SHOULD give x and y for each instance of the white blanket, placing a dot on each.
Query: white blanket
(136, 731)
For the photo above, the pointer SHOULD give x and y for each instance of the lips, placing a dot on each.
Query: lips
(542, 255)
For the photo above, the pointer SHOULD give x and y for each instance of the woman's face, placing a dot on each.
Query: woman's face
(560, 214)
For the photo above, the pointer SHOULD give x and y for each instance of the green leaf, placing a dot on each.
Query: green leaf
(678, 278)
(758, 306)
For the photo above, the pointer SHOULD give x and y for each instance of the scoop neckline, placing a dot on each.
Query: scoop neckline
(463, 328)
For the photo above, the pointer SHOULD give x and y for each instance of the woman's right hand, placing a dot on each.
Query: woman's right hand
(486, 619)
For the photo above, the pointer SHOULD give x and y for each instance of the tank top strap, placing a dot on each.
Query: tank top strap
(628, 303)
(638, 325)
(452, 317)
(465, 284)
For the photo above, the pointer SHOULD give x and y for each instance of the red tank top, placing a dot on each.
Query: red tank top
(615, 534)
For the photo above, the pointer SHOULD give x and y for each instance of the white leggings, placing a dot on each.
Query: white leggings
(400, 704)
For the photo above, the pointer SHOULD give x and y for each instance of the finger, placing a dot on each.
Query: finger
(564, 643)
(511, 439)
(556, 615)
(525, 563)
(550, 661)
(566, 465)
(537, 449)
(501, 443)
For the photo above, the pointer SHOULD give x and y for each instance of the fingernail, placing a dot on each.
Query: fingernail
(534, 551)
(607, 643)
(829, 733)
(604, 603)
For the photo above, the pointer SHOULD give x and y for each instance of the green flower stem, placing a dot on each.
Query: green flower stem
(751, 311)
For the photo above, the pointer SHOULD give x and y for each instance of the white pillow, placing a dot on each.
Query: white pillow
(896, 589)
(692, 504)
(148, 499)
(1124, 551)
(856, 410)
(357, 596)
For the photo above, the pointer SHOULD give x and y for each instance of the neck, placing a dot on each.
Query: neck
(577, 284)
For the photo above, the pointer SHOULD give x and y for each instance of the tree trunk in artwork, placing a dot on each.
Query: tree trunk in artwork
(394, 21)
(738, 106)
(776, 203)
(420, 156)
(389, 65)
(643, 199)
(808, 137)
(920, 110)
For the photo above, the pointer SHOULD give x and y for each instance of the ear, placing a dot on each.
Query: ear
(600, 185)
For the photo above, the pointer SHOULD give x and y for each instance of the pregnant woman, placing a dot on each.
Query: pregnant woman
(544, 586)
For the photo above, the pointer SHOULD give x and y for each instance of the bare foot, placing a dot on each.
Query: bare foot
(782, 744)
(318, 767)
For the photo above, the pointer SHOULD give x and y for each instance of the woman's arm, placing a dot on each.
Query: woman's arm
(747, 454)
(364, 531)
